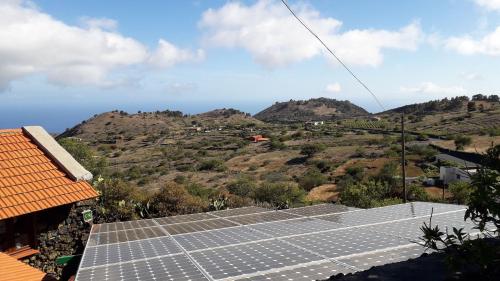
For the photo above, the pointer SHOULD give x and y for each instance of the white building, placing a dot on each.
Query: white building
(452, 174)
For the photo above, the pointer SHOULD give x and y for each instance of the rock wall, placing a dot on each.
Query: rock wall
(67, 238)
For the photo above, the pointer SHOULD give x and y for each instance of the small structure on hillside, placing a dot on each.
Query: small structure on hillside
(39, 182)
(258, 138)
(452, 174)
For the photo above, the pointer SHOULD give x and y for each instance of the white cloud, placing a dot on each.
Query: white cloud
(33, 42)
(99, 23)
(333, 88)
(167, 55)
(274, 38)
(488, 45)
(492, 5)
(471, 76)
(432, 88)
(181, 87)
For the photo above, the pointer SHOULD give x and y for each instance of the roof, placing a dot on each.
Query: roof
(31, 179)
(14, 270)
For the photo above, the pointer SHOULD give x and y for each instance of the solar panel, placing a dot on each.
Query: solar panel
(185, 218)
(249, 258)
(101, 238)
(255, 243)
(217, 238)
(106, 227)
(123, 252)
(188, 227)
(314, 271)
(342, 242)
(178, 267)
(262, 217)
(366, 261)
(294, 227)
(239, 211)
(320, 209)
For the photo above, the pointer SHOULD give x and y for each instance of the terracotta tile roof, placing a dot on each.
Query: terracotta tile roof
(14, 270)
(30, 181)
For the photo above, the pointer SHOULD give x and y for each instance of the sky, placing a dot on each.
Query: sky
(63, 61)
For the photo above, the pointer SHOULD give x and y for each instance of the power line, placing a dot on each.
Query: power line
(333, 54)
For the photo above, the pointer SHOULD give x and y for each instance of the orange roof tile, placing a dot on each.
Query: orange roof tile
(13, 270)
(30, 181)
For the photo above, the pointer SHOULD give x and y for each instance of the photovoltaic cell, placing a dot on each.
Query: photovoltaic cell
(217, 238)
(122, 225)
(177, 267)
(365, 217)
(321, 271)
(262, 217)
(344, 242)
(294, 227)
(125, 235)
(185, 218)
(366, 261)
(188, 227)
(123, 252)
(239, 211)
(248, 258)
(320, 209)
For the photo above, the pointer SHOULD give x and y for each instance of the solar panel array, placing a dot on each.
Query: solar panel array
(254, 243)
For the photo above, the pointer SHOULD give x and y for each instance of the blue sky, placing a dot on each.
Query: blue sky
(63, 61)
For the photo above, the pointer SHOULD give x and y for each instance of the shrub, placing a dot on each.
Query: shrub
(311, 179)
(356, 172)
(84, 155)
(417, 193)
(173, 199)
(212, 165)
(279, 194)
(461, 191)
(243, 186)
(461, 141)
(309, 150)
(367, 194)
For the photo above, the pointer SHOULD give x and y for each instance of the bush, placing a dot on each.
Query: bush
(309, 150)
(367, 195)
(462, 141)
(311, 179)
(279, 194)
(417, 193)
(84, 155)
(243, 186)
(461, 191)
(212, 165)
(173, 199)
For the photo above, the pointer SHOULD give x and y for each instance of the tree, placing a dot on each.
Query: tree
(462, 141)
(279, 194)
(471, 106)
(461, 191)
(311, 179)
(309, 150)
(367, 194)
(84, 155)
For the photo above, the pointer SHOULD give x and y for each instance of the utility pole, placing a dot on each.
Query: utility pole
(403, 156)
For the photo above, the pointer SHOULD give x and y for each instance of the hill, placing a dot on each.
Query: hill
(309, 110)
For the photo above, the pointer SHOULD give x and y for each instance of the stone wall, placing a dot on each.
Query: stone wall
(67, 238)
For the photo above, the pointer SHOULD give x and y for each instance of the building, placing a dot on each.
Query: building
(452, 174)
(39, 182)
(258, 138)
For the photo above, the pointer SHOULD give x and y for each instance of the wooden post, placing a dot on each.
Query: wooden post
(403, 156)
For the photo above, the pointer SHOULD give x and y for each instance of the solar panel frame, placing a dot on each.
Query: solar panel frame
(262, 217)
(189, 227)
(320, 209)
(219, 237)
(248, 258)
(101, 238)
(177, 267)
(295, 227)
(129, 251)
(239, 211)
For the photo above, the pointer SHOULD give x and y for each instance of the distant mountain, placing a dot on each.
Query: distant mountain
(309, 110)
(436, 106)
